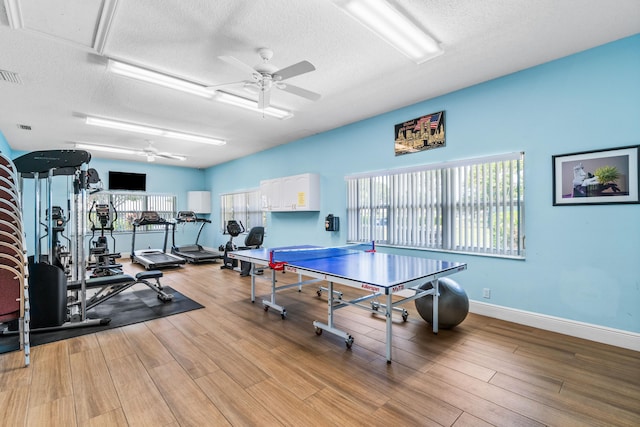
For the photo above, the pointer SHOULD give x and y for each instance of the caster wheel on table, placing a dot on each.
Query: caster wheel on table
(266, 308)
(349, 342)
(405, 315)
(318, 331)
(319, 292)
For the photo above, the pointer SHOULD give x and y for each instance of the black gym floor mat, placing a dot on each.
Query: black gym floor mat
(124, 309)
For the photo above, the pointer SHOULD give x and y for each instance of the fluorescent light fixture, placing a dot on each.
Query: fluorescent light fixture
(84, 146)
(104, 25)
(249, 104)
(154, 77)
(14, 14)
(148, 130)
(393, 27)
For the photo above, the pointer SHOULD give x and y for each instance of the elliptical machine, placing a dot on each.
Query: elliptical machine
(102, 261)
(234, 228)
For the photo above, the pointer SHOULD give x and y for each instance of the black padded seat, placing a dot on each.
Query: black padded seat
(151, 274)
(100, 282)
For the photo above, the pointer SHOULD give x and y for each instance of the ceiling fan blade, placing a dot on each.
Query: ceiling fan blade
(238, 64)
(293, 70)
(312, 96)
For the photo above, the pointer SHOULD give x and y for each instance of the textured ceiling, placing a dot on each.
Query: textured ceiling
(62, 66)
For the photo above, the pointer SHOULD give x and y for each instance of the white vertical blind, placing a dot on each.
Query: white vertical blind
(128, 207)
(472, 206)
(243, 206)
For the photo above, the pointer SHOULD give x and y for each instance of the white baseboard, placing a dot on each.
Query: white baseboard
(602, 334)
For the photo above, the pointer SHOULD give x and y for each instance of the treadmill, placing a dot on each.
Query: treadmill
(153, 259)
(192, 253)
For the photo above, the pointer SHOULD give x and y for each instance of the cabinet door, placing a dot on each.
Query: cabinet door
(307, 192)
(271, 195)
(291, 193)
(300, 187)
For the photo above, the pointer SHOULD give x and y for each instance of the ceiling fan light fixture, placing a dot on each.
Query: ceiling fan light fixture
(249, 104)
(393, 27)
(145, 75)
(149, 130)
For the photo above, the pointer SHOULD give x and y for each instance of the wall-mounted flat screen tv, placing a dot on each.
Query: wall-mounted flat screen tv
(127, 181)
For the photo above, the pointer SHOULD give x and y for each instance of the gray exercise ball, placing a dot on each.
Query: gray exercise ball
(453, 304)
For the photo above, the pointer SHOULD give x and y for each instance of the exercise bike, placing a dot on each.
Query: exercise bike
(234, 228)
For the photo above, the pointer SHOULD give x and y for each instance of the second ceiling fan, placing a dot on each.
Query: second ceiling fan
(265, 76)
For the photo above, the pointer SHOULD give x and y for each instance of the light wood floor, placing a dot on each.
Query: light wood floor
(232, 363)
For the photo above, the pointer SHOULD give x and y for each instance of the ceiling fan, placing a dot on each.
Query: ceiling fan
(151, 153)
(265, 76)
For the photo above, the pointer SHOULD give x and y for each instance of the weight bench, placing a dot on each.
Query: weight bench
(109, 286)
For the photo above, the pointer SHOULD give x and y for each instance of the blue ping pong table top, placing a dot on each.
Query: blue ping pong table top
(375, 268)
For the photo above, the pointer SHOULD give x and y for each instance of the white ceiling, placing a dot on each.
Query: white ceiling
(63, 74)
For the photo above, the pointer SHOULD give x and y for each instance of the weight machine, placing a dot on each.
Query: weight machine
(60, 253)
(58, 301)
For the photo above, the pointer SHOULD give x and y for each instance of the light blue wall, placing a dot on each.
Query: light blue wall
(583, 262)
(4, 146)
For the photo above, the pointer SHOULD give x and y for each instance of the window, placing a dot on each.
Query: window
(472, 206)
(128, 207)
(244, 207)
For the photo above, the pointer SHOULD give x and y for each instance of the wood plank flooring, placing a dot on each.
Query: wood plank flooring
(232, 363)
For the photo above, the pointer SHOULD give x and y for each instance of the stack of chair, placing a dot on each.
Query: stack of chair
(14, 285)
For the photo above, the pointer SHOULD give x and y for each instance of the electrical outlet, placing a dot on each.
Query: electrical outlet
(486, 293)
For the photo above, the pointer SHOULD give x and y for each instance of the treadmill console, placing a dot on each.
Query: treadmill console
(187, 216)
(149, 218)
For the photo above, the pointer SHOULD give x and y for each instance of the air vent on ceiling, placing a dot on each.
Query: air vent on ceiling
(24, 127)
(10, 76)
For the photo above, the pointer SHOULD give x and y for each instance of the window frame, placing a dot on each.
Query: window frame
(145, 202)
(472, 206)
(243, 206)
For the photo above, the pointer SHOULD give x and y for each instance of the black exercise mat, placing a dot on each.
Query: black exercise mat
(124, 309)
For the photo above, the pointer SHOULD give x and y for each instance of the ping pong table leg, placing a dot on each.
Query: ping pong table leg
(436, 294)
(272, 303)
(253, 283)
(319, 326)
(389, 320)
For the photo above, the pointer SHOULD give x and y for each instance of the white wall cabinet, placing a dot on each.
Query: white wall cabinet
(291, 193)
(199, 201)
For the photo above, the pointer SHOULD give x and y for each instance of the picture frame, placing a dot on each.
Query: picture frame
(608, 176)
(422, 133)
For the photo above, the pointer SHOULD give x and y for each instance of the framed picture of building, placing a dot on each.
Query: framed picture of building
(596, 177)
(420, 134)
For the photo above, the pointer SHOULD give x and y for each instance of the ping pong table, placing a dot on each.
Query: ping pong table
(359, 266)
